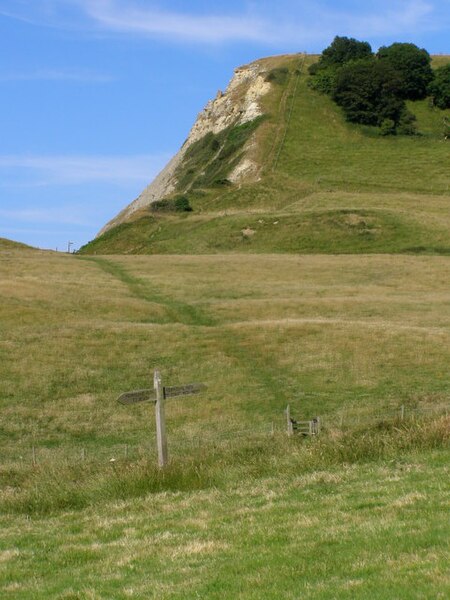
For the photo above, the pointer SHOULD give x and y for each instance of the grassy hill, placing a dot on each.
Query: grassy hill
(11, 246)
(326, 186)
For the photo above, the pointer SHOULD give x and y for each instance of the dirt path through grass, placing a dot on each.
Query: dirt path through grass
(176, 311)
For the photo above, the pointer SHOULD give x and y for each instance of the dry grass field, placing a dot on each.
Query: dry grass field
(242, 511)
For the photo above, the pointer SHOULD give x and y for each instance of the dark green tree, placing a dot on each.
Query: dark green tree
(414, 66)
(341, 51)
(439, 88)
(369, 92)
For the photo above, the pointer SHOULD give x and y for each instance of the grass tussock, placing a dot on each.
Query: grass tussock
(50, 488)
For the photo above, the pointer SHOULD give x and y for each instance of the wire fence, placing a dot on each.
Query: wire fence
(204, 440)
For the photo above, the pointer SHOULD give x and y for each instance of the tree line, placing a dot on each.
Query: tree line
(372, 88)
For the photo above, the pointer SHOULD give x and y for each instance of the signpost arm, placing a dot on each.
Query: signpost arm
(161, 438)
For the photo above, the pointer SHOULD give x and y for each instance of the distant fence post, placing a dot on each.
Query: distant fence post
(402, 412)
(290, 428)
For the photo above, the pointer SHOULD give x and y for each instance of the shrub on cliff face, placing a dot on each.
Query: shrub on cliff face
(178, 204)
(278, 75)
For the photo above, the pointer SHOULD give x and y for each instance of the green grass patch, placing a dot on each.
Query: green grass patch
(337, 231)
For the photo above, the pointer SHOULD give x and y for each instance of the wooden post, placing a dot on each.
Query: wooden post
(33, 455)
(402, 412)
(290, 428)
(161, 438)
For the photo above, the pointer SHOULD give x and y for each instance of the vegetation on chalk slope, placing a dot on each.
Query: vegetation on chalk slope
(210, 160)
(312, 165)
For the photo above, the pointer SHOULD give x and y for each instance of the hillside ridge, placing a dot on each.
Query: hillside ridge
(237, 105)
(272, 150)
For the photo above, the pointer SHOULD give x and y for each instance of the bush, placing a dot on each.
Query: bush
(324, 81)
(439, 89)
(407, 123)
(181, 204)
(278, 75)
(387, 127)
(178, 204)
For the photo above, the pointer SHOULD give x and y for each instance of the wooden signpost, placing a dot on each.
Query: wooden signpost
(158, 395)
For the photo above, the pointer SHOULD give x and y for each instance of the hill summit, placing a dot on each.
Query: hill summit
(272, 165)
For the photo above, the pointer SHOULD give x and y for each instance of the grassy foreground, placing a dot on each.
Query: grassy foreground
(241, 512)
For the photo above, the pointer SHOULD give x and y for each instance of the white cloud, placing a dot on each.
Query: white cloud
(132, 18)
(19, 170)
(282, 24)
(265, 23)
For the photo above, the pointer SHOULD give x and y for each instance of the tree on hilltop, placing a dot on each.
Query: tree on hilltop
(342, 50)
(414, 66)
(369, 92)
(439, 89)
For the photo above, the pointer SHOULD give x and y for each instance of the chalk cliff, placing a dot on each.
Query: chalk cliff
(239, 104)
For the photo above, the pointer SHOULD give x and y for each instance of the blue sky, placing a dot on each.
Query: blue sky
(96, 95)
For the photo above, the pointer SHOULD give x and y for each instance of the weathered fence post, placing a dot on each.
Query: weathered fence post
(402, 412)
(290, 427)
(161, 438)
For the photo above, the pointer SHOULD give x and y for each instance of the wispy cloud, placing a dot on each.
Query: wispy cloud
(117, 16)
(75, 170)
(286, 22)
(66, 75)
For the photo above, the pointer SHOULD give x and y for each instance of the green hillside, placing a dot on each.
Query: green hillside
(330, 186)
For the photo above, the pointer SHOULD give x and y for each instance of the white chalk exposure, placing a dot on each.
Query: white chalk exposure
(237, 105)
